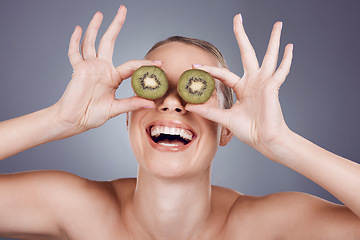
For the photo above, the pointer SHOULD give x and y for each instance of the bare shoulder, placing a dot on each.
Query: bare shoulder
(55, 187)
(35, 182)
(293, 215)
(51, 180)
(223, 200)
(123, 189)
(224, 194)
(125, 184)
(47, 203)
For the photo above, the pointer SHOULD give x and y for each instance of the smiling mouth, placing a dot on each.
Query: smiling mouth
(170, 136)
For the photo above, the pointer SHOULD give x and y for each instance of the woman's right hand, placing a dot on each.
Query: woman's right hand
(89, 100)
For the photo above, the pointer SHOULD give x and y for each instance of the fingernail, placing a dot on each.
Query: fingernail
(281, 25)
(158, 61)
(148, 107)
(240, 18)
(119, 8)
(197, 65)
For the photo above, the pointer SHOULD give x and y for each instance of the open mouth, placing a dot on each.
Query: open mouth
(170, 136)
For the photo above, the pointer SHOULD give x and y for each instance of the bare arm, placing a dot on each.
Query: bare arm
(339, 176)
(256, 119)
(19, 134)
(33, 204)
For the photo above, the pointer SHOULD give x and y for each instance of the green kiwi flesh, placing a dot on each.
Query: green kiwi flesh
(149, 82)
(196, 86)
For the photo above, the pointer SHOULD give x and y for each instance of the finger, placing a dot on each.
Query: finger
(74, 53)
(88, 43)
(224, 75)
(271, 56)
(129, 104)
(212, 113)
(248, 55)
(125, 70)
(106, 45)
(285, 65)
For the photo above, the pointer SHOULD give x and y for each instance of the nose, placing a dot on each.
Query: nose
(172, 102)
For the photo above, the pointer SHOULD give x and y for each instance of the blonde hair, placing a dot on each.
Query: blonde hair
(226, 91)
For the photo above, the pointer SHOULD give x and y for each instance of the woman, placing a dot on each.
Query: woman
(172, 198)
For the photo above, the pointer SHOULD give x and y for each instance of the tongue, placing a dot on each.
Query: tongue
(173, 143)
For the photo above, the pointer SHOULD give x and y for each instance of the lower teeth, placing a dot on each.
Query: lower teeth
(168, 144)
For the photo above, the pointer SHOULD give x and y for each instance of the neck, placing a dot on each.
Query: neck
(172, 209)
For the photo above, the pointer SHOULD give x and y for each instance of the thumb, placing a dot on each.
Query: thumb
(212, 113)
(129, 104)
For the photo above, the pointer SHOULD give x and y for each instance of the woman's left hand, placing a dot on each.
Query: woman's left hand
(256, 117)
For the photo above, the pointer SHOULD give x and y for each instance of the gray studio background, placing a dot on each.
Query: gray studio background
(320, 97)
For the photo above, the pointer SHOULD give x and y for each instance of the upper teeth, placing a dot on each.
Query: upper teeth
(185, 134)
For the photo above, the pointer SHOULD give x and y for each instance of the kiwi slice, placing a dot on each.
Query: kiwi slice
(149, 82)
(196, 86)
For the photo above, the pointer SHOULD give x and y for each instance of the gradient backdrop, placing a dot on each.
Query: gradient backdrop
(320, 97)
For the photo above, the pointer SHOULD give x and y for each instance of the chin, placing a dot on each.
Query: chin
(172, 149)
(174, 166)
(166, 165)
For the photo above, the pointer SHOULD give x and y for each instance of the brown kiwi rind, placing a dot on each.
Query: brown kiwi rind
(149, 82)
(196, 86)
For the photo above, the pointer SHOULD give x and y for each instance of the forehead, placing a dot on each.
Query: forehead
(178, 57)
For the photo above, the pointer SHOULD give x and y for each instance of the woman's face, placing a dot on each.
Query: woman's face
(187, 142)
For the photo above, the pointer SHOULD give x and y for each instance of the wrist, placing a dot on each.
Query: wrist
(58, 128)
(279, 147)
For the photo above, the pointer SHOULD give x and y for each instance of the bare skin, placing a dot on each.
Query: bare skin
(172, 198)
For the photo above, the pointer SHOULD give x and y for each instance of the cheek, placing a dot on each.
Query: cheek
(210, 140)
(216, 99)
(129, 124)
(134, 131)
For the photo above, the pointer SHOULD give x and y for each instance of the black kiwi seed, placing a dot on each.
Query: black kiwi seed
(149, 82)
(196, 86)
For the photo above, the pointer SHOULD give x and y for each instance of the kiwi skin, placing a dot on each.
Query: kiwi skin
(202, 79)
(149, 82)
